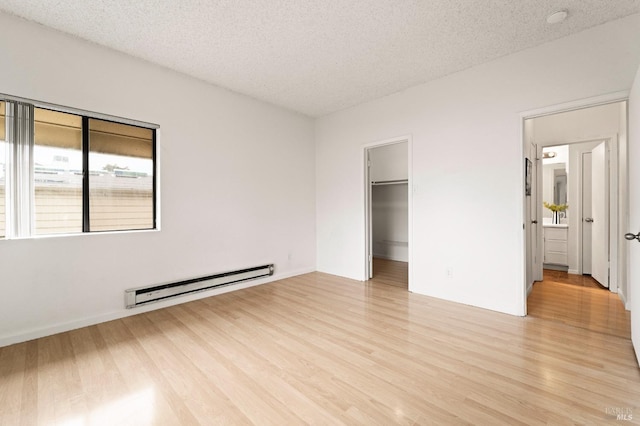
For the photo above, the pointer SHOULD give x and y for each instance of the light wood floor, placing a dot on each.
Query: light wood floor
(564, 277)
(391, 272)
(579, 301)
(323, 350)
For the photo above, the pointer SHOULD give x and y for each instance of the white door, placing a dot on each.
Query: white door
(536, 212)
(369, 219)
(634, 219)
(533, 225)
(587, 219)
(529, 223)
(599, 213)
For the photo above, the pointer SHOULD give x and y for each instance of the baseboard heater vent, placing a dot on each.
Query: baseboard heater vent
(143, 295)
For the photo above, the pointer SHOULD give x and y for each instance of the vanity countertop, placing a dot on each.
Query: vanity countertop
(555, 225)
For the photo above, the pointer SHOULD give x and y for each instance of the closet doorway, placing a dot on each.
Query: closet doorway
(387, 180)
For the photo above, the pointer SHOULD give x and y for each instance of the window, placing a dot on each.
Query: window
(69, 173)
(58, 184)
(120, 176)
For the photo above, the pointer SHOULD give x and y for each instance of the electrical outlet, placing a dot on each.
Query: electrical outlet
(449, 272)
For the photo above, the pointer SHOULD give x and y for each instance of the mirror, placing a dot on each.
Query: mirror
(560, 186)
(555, 180)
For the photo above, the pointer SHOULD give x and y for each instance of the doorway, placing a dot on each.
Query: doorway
(387, 213)
(566, 129)
(575, 217)
(555, 214)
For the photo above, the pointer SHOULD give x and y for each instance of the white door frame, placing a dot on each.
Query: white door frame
(550, 110)
(367, 261)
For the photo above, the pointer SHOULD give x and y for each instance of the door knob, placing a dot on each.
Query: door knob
(534, 221)
(588, 219)
(629, 236)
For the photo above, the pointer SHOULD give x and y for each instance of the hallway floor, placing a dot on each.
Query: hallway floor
(579, 301)
(574, 279)
(390, 272)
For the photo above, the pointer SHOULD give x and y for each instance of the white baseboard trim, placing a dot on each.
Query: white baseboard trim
(622, 297)
(37, 333)
(573, 272)
(529, 289)
(554, 267)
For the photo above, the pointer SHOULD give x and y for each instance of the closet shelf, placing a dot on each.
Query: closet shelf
(390, 182)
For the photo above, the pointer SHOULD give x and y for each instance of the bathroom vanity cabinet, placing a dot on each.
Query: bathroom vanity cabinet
(555, 244)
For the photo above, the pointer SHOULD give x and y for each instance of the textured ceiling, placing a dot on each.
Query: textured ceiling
(318, 56)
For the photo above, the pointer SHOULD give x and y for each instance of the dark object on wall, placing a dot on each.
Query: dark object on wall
(527, 177)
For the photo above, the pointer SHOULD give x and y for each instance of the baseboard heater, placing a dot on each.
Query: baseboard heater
(143, 295)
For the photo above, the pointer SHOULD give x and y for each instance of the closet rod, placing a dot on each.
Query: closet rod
(390, 182)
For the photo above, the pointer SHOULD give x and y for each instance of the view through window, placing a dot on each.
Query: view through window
(121, 176)
(57, 160)
(83, 174)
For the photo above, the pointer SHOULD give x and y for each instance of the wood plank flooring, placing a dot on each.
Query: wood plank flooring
(319, 349)
(564, 277)
(579, 301)
(391, 272)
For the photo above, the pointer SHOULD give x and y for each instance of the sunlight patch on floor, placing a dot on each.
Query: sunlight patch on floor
(134, 409)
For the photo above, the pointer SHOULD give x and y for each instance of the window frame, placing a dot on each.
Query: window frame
(85, 115)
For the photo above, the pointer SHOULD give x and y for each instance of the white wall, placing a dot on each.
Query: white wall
(389, 162)
(467, 163)
(579, 125)
(237, 185)
(390, 220)
(634, 212)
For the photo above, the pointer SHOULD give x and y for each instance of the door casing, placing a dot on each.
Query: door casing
(368, 243)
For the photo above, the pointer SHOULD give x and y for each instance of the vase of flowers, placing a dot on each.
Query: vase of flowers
(555, 211)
